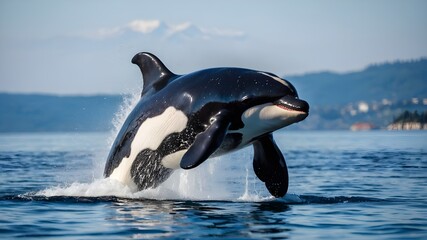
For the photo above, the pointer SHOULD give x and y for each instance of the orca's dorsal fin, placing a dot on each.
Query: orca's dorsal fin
(154, 73)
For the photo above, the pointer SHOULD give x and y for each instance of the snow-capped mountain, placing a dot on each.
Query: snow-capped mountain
(166, 31)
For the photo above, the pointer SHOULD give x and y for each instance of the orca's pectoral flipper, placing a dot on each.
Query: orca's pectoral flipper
(270, 165)
(207, 142)
(154, 73)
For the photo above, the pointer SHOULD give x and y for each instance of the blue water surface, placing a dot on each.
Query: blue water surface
(351, 185)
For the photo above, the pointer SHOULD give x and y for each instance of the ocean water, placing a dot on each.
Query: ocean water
(352, 185)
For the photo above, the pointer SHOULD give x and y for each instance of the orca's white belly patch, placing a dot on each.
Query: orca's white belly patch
(150, 135)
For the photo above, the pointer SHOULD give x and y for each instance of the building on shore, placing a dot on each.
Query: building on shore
(407, 126)
(409, 121)
(362, 126)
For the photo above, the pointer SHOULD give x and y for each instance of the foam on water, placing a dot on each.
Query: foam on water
(97, 188)
(200, 184)
(204, 183)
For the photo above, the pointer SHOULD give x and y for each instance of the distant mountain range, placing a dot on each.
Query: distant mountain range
(375, 95)
(393, 81)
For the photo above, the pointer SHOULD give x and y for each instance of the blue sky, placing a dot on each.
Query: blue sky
(85, 47)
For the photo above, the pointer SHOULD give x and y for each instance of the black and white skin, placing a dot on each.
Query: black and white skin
(182, 120)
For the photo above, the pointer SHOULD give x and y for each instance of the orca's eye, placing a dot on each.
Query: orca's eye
(293, 90)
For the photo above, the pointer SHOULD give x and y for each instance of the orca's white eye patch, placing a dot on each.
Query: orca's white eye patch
(276, 79)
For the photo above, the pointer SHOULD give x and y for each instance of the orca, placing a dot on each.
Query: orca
(182, 120)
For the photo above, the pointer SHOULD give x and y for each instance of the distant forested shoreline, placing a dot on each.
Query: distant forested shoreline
(377, 96)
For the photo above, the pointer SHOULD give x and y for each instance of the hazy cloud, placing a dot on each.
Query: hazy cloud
(143, 26)
(105, 33)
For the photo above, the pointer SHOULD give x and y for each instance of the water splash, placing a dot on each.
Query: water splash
(206, 182)
(106, 190)
(129, 102)
(202, 183)
(97, 188)
(249, 195)
(226, 178)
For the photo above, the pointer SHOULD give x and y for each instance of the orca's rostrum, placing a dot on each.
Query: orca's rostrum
(182, 120)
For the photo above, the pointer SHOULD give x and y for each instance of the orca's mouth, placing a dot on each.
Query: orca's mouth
(292, 104)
